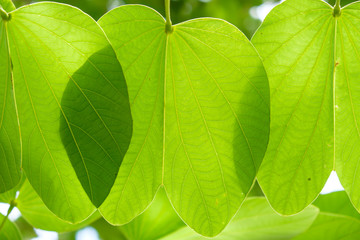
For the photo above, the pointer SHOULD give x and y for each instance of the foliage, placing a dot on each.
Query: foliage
(234, 11)
(164, 128)
(176, 118)
(313, 64)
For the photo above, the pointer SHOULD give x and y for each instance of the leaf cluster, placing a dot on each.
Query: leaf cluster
(100, 120)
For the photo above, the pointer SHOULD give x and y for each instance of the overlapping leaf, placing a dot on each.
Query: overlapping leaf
(7, 5)
(332, 227)
(336, 203)
(10, 152)
(10, 195)
(39, 216)
(199, 100)
(256, 220)
(337, 219)
(157, 221)
(9, 231)
(72, 103)
(347, 100)
(313, 63)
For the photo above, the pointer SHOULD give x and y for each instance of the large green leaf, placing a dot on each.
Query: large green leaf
(337, 203)
(347, 100)
(9, 231)
(107, 231)
(337, 220)
(10, 149)
(257, 221)
(9, 196)
(26, 230)
(7, 5)
(73, 106)
(314, 101)
(157, 221)
(199, 100)
(39, 216)
(332, 227)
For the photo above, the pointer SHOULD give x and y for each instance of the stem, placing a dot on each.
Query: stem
(168, 25)
(337, 9)
(12, 205)
(4, 15)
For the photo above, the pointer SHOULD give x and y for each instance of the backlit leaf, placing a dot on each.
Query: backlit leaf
(312, 58)
(10, 195)
(39, 216)
(347, 100)
(10, 152)
(157, 221)
(257, 221)
(9, 231)
(338, 203)
(332, 227)
(7, 5)
(73, 106)
(199, 100)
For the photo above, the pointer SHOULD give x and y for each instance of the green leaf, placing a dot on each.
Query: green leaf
(7, 5)
(199, 100)
(347, 99)
(10, 150)
(73, 106)
(256, 220)
(107, 231)
(332, 227)
(10, 195)
(313, 87)
(9, 231)
(26, 230)
(157, 221)
(337, 220)
(338, 203)
(39, 216)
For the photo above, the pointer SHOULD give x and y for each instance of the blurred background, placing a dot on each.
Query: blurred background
(247, 15)
(242, 13)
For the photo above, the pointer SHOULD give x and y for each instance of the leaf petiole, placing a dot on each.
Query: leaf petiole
(12, 205)
(4, 15)
(168, 26)
(337, 9)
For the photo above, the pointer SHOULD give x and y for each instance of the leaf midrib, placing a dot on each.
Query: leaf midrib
(302, 92)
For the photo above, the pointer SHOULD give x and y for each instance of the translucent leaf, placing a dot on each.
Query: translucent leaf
(10, 195)
(73, 106)
(9, 231)
(332, 227)
(10, 152)
(312, 60)
(157, 221)
(39, 216)
(7, 5)
(200, 105)
(347, 100)
(257, 221)
(336, 202)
